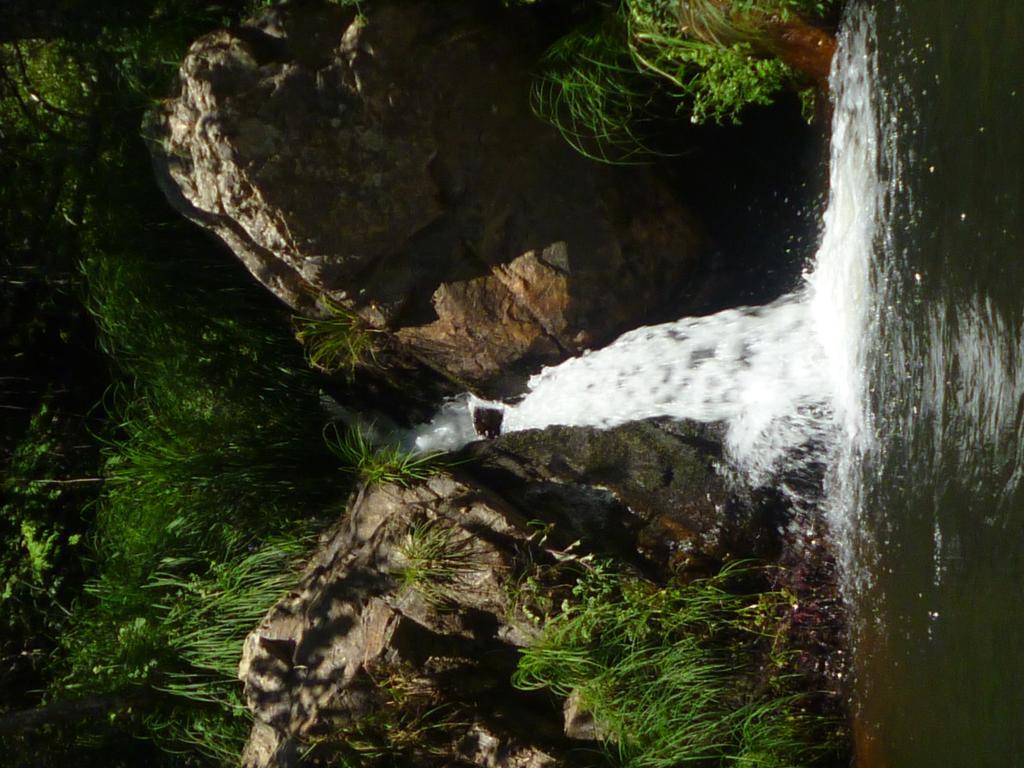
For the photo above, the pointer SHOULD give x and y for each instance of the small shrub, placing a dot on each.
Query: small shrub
(397, 734)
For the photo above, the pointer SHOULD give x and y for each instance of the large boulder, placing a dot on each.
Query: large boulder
(390, 161)
(402, 636)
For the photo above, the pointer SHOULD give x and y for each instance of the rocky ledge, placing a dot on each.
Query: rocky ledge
(406, 626)
(391, 162)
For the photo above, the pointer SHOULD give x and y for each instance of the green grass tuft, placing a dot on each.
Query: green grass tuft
(592, 92)
(685, 674)
(438, 557)
(339, 342)
(375, 464)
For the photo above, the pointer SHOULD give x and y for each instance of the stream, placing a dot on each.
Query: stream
(899, 362)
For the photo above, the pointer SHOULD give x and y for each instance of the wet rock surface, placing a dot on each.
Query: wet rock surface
(673, 506)
(391, 161)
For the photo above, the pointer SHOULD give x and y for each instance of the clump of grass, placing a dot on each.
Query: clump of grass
(606, 83)
(437, 558)
(689, 673)
(179, 633)
(375, 464)
(336, 343)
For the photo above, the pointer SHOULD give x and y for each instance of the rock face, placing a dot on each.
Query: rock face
(418, 602)
(660, 474)
(409, 606)
(391, 162)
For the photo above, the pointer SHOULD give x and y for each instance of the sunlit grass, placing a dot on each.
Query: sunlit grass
(685, 674)
(214, 478)
(374, 464)
(437, 556)
(591, 91)
(337, 343)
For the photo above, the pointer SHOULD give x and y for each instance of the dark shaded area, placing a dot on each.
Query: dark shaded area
(78, 203)
(760, 189)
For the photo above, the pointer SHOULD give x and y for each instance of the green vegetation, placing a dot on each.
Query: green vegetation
(212, 475)
(685, 674)
(593, 93)
(608, 82)
(175, 638)
(49, 478)
(336, 343)
(144, 538)
(374, 464)
(438, 556)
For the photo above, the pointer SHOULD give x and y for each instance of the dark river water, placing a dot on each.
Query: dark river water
(901, 352)
(940, 527)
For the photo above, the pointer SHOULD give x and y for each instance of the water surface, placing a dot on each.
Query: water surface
(941, 514)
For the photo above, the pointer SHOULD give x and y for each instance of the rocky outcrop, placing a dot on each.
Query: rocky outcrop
(402, 636)
(662, 475)
(391, 162)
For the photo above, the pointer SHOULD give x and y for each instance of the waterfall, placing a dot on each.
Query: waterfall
(785, 378)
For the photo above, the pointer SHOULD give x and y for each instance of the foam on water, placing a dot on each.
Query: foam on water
(781, 376)
(757, 369)
(844, 296)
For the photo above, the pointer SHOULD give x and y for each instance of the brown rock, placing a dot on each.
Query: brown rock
(332, 654)
(392, 161)
(657, 482)
(806, 48)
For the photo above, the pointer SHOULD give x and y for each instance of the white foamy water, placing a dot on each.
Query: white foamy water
(844, 296)
(780, 376)
(757, 369)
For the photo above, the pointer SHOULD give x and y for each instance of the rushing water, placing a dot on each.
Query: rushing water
(781, 377)
(900, 361)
